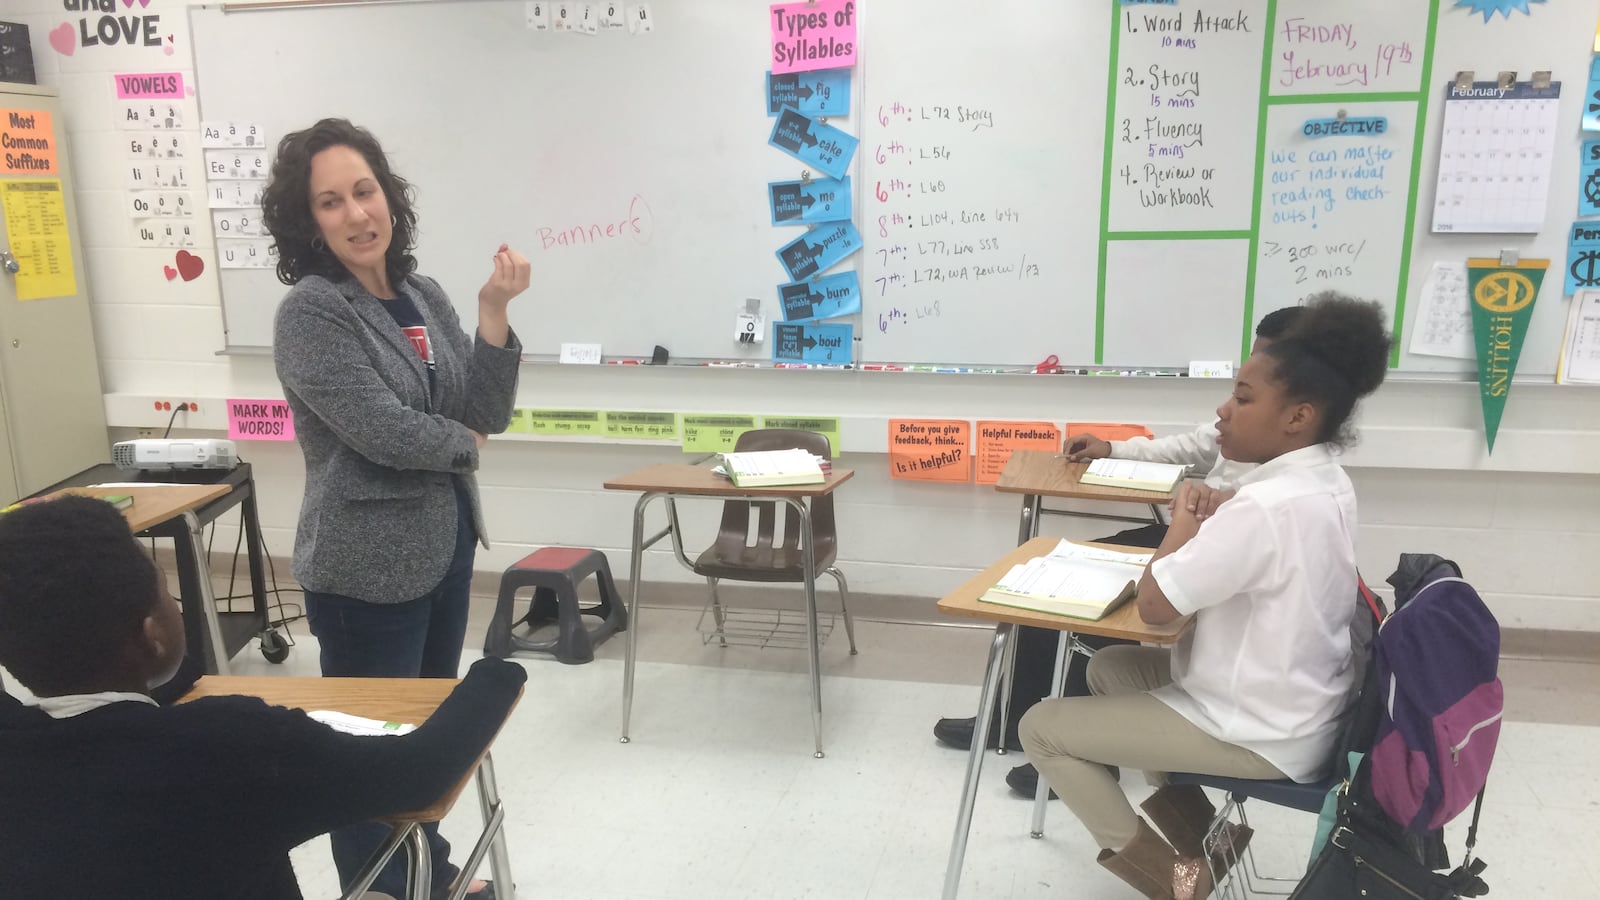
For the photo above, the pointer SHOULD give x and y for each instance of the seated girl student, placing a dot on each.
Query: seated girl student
(109, 795)
(1036, 647)
(1256, 687)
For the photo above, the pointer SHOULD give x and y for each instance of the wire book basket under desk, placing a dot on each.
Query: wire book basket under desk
(762, 628)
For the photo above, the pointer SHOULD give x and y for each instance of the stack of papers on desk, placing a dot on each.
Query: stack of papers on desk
(1074, 581)
(1133, 474)
(773, 468)
(360, 725)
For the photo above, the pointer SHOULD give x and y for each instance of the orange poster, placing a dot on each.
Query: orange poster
(997, 440)
(930, 449)
(27, 142)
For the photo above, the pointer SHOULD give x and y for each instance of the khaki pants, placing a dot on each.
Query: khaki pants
(1072, 740)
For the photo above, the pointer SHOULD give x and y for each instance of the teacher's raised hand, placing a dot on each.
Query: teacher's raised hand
(509, 278)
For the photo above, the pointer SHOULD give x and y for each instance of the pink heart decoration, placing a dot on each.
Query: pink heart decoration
(63, 39)
(128, 3)
(167, 50)
(189, 89)
(189, 265)
(170, 272)
(142, 3)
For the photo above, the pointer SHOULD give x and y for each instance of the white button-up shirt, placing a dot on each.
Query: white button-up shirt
(1271, 579)
(1198, 449)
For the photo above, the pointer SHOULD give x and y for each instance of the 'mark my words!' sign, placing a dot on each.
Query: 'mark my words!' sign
(260, 420)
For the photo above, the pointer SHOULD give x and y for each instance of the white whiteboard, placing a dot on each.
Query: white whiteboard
(1175, 271)
(1037, 71)
(997, 114)
(515, 135)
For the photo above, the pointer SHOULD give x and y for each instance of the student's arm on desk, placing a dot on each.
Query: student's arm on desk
(314, 779)
(1201, 564)
(1198, 448)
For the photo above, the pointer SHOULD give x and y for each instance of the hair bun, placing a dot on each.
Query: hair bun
(1350, 336)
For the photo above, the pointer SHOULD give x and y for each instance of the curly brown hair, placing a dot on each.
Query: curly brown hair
(286, 203)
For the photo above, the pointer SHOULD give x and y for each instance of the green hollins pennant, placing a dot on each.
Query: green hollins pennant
(1502, 303)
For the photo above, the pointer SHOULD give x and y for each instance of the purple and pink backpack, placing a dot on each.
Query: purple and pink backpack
(1437, 656)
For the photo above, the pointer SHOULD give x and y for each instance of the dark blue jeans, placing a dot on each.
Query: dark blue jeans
(417, 638)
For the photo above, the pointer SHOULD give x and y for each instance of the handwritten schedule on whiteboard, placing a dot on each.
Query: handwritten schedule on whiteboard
(1183, 147)
(1219, 160)
(967, 202)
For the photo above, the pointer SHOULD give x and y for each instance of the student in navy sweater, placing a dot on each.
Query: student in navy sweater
(109, 794)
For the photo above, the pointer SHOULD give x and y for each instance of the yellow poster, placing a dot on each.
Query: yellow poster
(36, 225)
(641, 425)
(827, 426)
(560, 421)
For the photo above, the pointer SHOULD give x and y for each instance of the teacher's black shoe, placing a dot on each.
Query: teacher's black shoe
(1024, 780)
(957, 733)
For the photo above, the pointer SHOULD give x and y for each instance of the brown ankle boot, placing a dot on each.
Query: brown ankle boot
(1147, 863)
(1183, 814)
(1191, 879)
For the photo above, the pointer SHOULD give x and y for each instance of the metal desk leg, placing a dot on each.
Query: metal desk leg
(208, 599)
(493, 816)
(1029, 528)
(397, 836)
(980, 736)
(1008, 675)
(635, 572)
(1041, 794)
(419, 865)
(249, 519)
(813, 644)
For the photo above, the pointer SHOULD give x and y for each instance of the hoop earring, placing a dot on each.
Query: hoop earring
(318, 244)
(394, 220)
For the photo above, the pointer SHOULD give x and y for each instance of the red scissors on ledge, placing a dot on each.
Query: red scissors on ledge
(1050, 366)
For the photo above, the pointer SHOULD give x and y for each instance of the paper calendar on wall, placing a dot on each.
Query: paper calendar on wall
(1494, 156)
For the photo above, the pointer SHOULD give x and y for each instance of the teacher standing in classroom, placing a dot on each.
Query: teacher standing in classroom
(392, 404)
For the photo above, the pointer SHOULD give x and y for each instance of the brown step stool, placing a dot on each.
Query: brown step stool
(554, 573)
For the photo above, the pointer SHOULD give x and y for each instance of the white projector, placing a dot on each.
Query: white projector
(151, 453)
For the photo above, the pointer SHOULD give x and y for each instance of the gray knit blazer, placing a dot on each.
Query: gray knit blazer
(382, 452)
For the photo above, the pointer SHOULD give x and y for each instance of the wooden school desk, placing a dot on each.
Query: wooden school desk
(1122, 623)
(1037, 474)
(160, 509)
(673, 481)
(408, 700)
